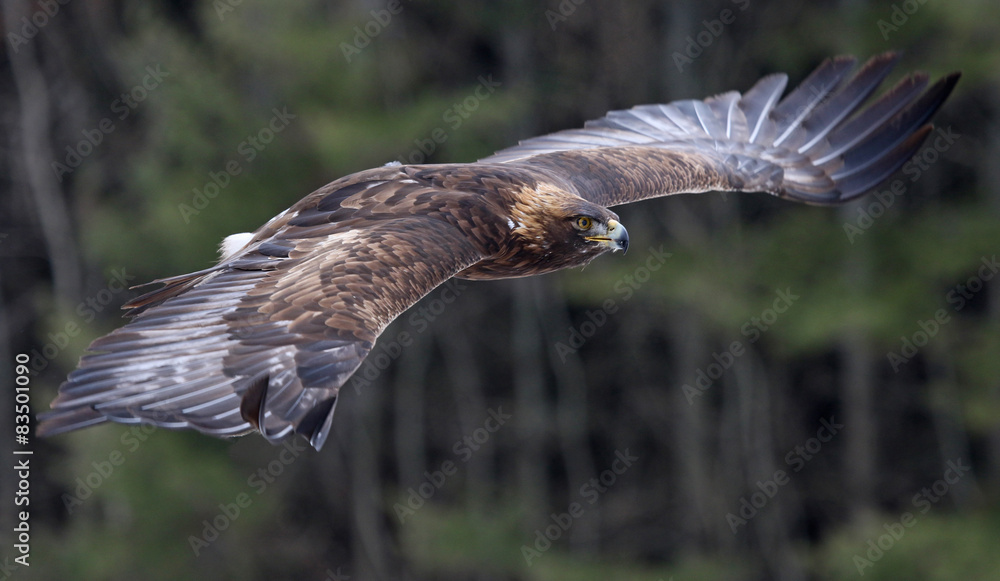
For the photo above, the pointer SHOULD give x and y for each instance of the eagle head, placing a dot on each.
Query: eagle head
(553, 229)
(588, 230)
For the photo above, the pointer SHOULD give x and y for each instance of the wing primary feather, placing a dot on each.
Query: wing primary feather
(897, 130)
(830, 113)
(252, 404)
(758, 102)
(859, 183)
(799, 104)
(857, 129)
(315, 425)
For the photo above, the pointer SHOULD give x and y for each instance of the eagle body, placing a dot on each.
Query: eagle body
(264, 340)
(518, 221)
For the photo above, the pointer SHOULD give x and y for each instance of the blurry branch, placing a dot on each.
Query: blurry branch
(689, 434)
(571, 414)
(470, 402)
(946, 413)
(531, 411)
(53, 213)
(857, 383)
(409, 387)
(991, 178)
(775, 529)
(729, 474)
(371, 551)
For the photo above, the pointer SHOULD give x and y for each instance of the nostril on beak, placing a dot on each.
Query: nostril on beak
(618, 233)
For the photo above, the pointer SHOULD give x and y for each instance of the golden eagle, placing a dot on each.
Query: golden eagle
(264, 339)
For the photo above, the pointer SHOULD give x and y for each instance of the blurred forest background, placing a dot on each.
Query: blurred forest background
(842, 410)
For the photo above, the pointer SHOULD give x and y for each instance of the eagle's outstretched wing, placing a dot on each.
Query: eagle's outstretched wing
(265, 340)
(817, 145)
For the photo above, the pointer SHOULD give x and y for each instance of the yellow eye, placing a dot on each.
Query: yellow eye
(584, 223)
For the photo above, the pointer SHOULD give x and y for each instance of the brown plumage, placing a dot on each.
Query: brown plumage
(265, 339)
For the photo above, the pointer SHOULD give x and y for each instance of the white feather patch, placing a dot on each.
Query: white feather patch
(233, 244)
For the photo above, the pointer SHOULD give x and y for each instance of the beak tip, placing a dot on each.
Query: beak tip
(620, 236)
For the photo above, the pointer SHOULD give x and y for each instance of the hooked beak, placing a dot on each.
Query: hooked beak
(616, 237)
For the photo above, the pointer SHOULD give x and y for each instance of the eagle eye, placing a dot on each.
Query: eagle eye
(583, 222)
